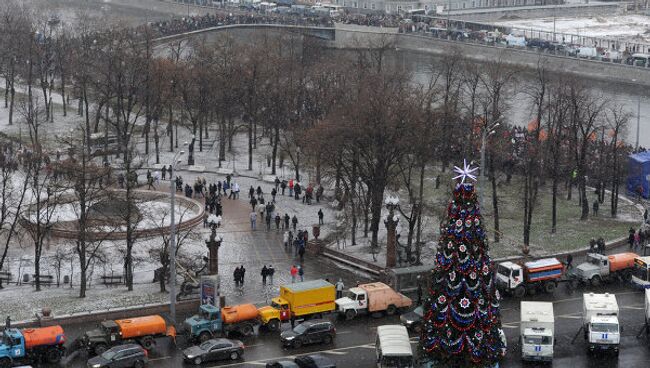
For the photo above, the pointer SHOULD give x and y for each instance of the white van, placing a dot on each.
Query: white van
(393, 347)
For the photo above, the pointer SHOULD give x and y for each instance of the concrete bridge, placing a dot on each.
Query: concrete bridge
(356, 37)
(320, 32)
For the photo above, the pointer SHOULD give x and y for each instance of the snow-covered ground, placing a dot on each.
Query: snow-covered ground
(629, 28)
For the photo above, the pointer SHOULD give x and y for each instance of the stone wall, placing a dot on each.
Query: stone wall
(590, 69)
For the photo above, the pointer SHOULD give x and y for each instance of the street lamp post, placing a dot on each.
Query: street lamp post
(486, 132)
(213, 243)
(391, 226)
(638, 118)
(172, 240)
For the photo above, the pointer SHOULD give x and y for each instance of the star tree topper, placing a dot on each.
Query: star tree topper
(465, 172)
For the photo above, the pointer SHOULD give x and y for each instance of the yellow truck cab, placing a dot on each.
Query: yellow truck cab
(299, 301)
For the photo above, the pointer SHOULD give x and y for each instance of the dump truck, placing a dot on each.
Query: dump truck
(600, 322)
(299, 301)
(141, 330)
(539, 275)
(371, 298)
(31, 345)
(599, 268)
(214, 321)
(536, 331)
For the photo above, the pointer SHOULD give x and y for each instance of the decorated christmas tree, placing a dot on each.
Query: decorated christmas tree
(461, 320)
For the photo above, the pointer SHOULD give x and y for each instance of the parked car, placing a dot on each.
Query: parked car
(214, 349)
(309, 332)
(538, 43)
(314, 361)
(128, 355)
(282, 364)
(413, 320)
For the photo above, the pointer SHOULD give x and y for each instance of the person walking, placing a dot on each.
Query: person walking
(569, 261)
(164, 172)
(283, 186)
(301, 273)
(320, 216)
(296, 246)
(150, 183)
(253, 220)
(601, 245)
(277, 221)
(268, 221)
(339, 289)
(242, 273)
(294, 273)
(273, 193)
(270, 271)
(290, 187)
(301, 252)
(253, 202)
(236, 276)
(286, 221)
(251, 192)
(294, 221)
(595, 207)
(285, 239)
(264, 273)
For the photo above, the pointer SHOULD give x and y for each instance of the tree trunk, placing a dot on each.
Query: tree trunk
(495, 201)
(274, 153)
(554, 204)
(250, 145)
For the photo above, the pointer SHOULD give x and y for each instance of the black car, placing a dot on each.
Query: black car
(314, 361)
(129, 355)
(309, 332)
(282, 364)
(214, 349)
(413, 320)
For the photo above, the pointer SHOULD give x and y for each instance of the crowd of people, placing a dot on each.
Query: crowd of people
(194, 23)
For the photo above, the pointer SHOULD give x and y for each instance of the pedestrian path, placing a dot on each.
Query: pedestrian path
(254, 249)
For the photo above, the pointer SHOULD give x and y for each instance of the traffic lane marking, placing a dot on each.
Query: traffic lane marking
(264, 360)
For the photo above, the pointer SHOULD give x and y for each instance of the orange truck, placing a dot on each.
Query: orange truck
(31, 345)
(214, 321)
(598, 268)
(142, 330)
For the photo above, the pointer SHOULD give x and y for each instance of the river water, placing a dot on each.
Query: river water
(520, 113)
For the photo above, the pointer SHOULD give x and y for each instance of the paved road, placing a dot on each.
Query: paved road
(354, 345)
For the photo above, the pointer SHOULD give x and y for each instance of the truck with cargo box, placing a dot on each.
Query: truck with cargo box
(600, 322)
(536, 331)
(214, 321)
(299, 301)
(371, 298)
(540, 275)
(142, 330)
(599, 268)
(31, 345)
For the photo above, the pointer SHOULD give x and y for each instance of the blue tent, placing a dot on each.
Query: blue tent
(638, 177)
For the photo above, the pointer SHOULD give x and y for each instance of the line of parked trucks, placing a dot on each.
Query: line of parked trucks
(296, 302)
(544, 275)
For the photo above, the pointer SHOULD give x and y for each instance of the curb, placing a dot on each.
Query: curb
(117, 313)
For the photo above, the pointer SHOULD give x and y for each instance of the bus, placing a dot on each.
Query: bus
(641, 273)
